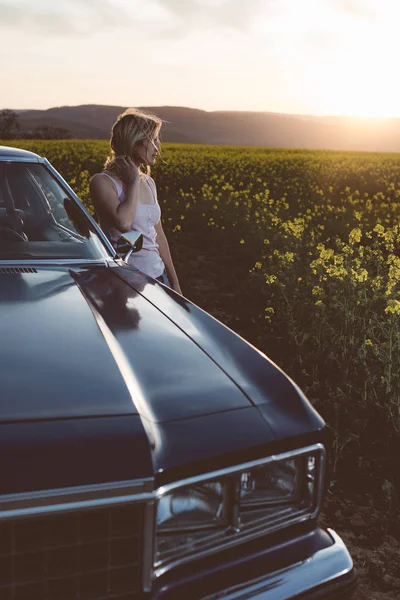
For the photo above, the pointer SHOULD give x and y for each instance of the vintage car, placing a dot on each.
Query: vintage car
(147, 451)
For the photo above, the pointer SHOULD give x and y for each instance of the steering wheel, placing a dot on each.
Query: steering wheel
(7, 231)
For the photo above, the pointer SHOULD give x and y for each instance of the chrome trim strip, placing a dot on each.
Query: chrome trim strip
(76, 498)
(166, 489)
(256, 531)
(148, 544)
(322, 568)
(61, 262)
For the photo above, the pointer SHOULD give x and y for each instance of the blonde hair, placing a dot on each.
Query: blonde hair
(131, 127)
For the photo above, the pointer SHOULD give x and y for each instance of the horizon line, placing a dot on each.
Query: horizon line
(288, 114)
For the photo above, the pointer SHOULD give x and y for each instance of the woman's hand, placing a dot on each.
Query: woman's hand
(126, 170)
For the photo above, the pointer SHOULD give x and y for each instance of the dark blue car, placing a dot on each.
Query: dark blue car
(147, 451)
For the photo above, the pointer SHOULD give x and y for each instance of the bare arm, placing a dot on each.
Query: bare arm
(166, 257)
(105, 200)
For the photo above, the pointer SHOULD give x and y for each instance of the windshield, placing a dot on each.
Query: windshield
(38, 219)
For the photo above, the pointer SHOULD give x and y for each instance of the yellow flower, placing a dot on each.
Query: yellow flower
(270, 279)
(393, 307)
(269, 311)
(317, 291)
(355, 236)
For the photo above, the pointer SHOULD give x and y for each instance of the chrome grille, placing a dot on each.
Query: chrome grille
(78, 555)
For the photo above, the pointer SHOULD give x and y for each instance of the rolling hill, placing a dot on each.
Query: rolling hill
(230, 127)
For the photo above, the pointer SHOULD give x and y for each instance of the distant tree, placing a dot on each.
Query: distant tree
(48, 132)
(9, 124)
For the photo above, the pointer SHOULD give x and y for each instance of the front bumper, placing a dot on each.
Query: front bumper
(329, 573)
(314, 566)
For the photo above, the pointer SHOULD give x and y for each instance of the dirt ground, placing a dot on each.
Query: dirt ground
(373, 539)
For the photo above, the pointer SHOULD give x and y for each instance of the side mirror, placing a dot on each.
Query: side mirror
(129, 242)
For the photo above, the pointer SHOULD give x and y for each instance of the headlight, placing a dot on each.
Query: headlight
(187, 516)
(237, 503)
(277, 491)
(272, 483)
(196, 507)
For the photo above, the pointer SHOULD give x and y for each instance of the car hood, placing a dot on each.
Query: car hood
(107, 375)
(83, 343)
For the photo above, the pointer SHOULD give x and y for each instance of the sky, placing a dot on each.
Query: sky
(315, 57)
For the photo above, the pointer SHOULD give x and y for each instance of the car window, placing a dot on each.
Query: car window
(53, 194)
(39, 219)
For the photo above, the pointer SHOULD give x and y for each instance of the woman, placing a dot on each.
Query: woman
(125, 196)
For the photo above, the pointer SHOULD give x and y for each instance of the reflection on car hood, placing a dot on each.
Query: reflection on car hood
(84, 343)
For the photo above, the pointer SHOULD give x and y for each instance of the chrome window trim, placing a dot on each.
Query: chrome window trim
(256, 530)
(20, 159)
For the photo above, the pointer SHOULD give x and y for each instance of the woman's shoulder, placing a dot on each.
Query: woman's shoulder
(106, 180)
(99, 179)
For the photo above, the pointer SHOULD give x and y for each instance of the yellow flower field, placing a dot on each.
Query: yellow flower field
(299, 252)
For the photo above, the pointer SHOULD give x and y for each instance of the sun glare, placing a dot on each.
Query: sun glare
(362, 90)
(343, 60)
(362, 82)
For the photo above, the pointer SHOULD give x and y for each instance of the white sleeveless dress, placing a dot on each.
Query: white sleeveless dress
(148, 259)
